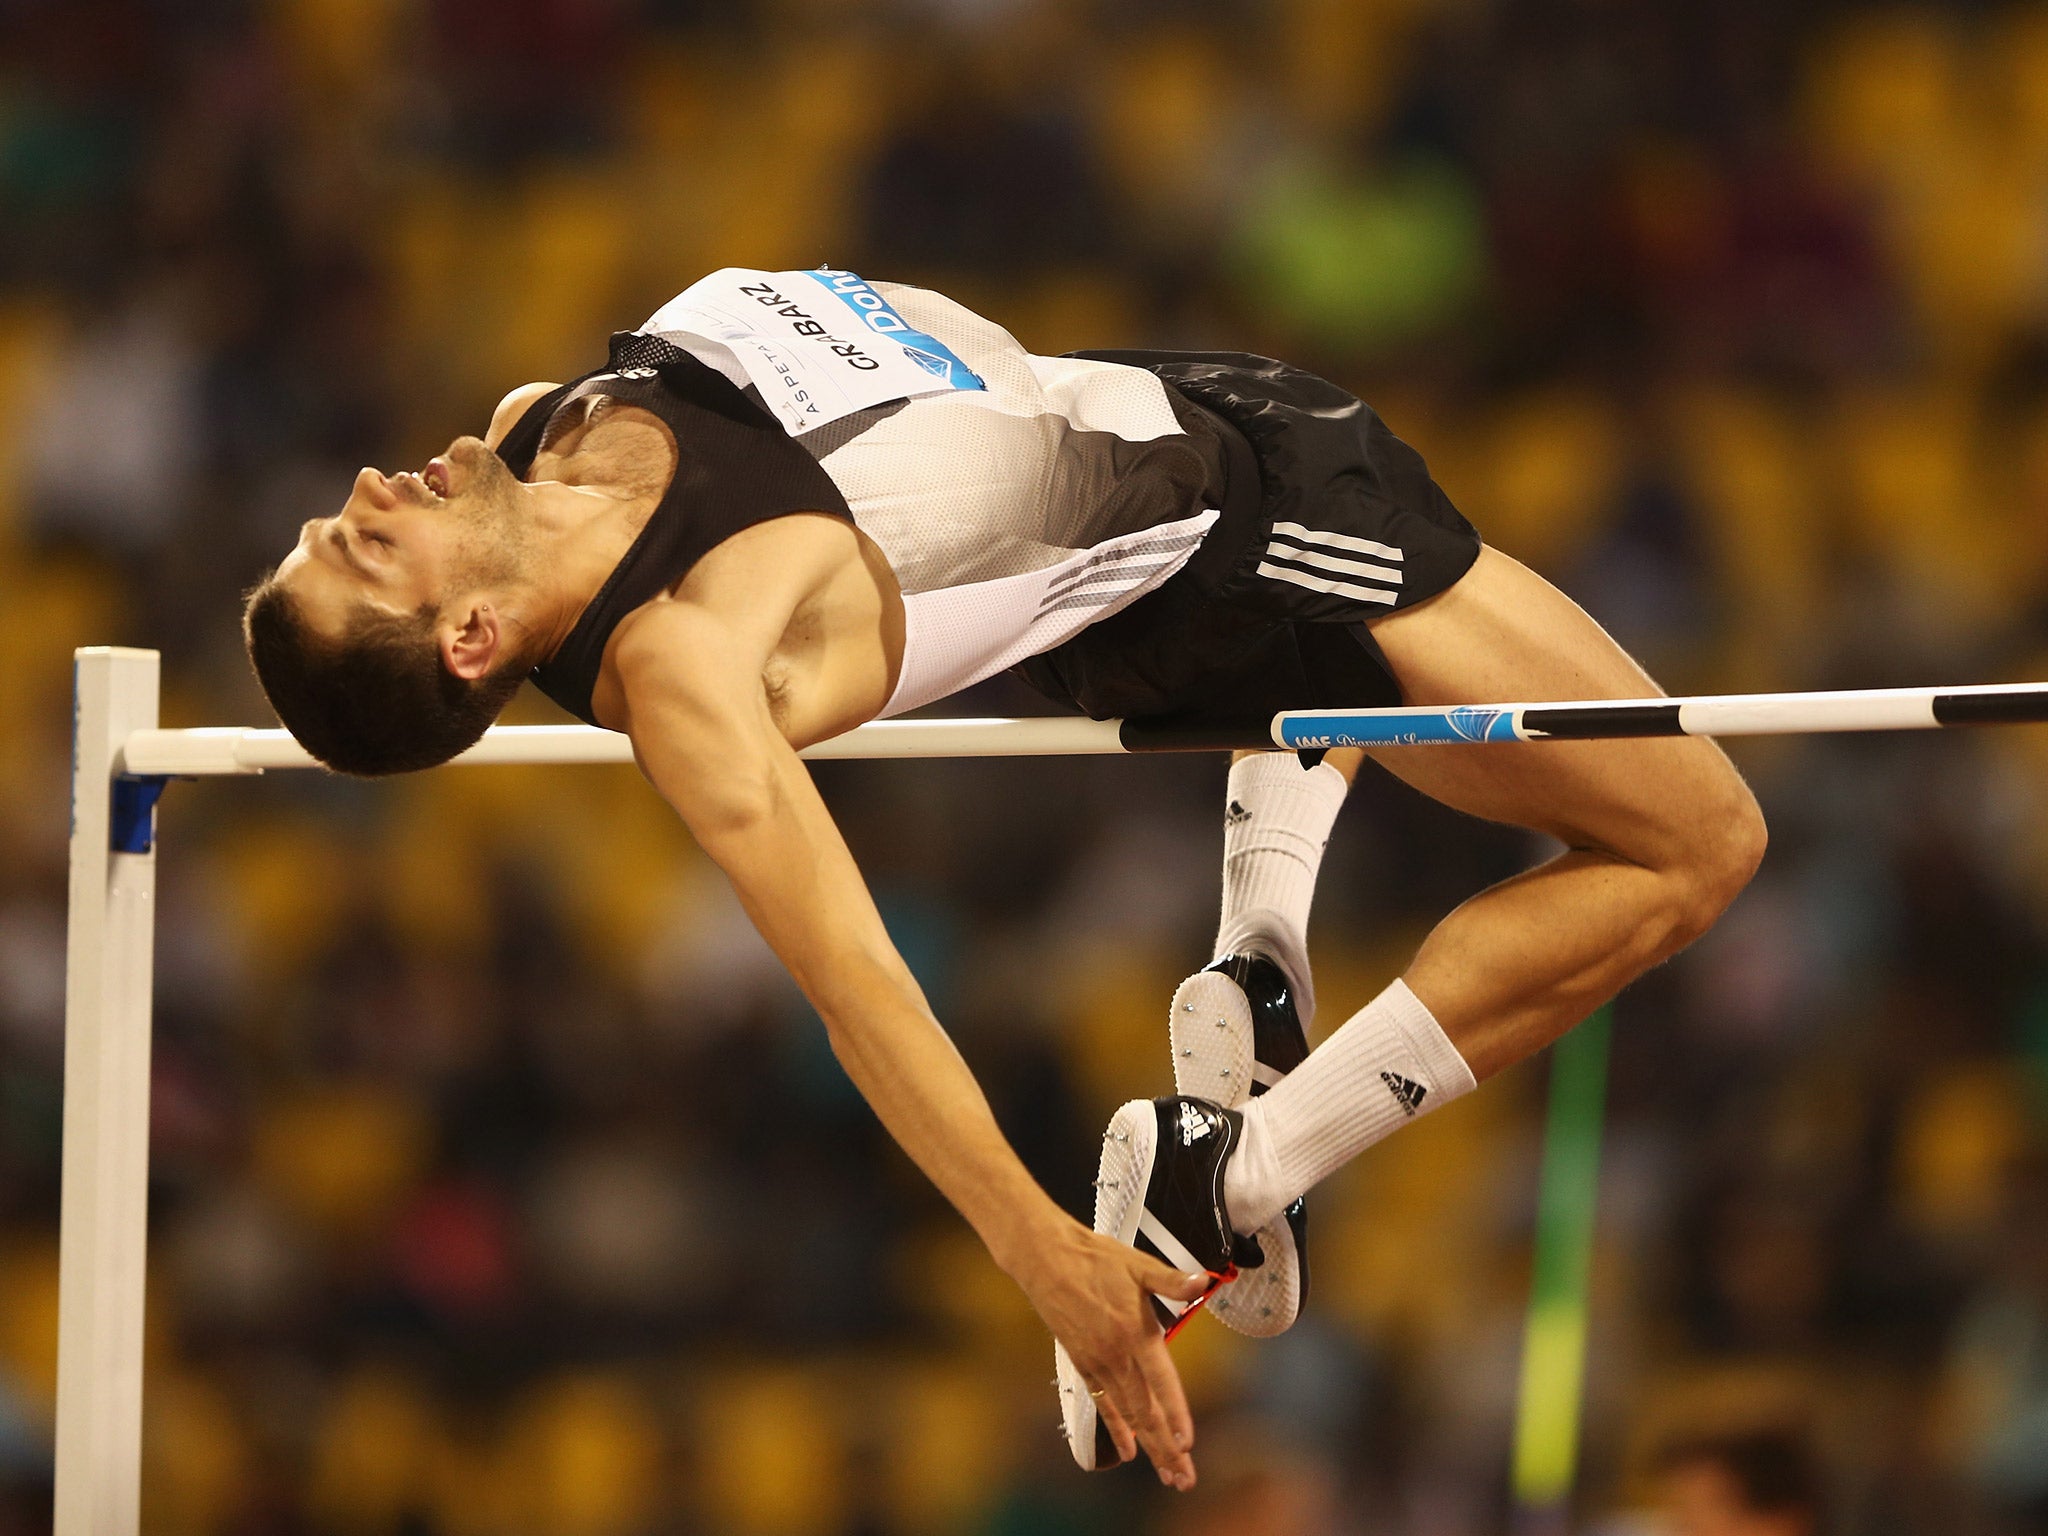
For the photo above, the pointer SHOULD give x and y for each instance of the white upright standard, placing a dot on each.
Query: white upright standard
(106, 1103)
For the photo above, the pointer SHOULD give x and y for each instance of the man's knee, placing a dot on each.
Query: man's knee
(1720, 848)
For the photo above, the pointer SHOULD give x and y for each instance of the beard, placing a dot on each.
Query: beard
(496, 545)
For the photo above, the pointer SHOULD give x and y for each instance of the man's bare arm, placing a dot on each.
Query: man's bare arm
(705, 736)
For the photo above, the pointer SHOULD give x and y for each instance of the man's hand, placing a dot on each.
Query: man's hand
(1096, 1296)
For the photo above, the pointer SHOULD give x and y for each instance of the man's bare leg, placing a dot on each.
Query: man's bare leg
(1660, 835)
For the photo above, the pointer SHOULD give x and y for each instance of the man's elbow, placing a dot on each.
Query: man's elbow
(731, 811)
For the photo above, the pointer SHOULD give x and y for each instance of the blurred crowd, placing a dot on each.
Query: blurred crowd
(501, 1182)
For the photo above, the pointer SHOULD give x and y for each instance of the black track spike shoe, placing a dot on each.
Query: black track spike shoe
(1160, 1189)
(1236, 1031)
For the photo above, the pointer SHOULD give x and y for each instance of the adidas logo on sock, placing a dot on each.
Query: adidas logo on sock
(1235, 813)
(1409, 1095)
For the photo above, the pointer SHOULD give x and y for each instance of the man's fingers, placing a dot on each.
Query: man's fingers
(1148, 1389)
(1148, 1420)
(1170, 1428)
(1164, 1280)
(1119, 1431)
(1163, 1382)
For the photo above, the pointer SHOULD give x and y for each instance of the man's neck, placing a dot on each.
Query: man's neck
(594, 490)
(584, 532)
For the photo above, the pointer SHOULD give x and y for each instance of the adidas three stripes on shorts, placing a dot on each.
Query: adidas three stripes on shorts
(1330, 521)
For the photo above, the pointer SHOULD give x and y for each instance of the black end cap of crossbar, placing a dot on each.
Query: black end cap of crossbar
(1180, 733)
(1599, 722)
(2016, 708)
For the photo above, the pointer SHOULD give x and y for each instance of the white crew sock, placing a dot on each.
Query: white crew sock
(1390, 1062)
(1277, 821)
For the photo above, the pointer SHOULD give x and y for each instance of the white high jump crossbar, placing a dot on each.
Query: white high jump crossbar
(121, 762)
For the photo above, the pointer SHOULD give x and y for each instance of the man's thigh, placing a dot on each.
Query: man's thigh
(1503, 634)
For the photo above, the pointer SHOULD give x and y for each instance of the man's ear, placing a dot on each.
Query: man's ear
(470, 641)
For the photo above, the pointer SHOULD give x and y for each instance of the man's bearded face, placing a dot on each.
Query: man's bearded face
(412, 540)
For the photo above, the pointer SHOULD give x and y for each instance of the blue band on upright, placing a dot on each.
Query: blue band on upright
(1394, 727)
(876, 313)
(132, 823)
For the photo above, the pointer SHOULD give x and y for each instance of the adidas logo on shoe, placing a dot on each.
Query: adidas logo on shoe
(1194, 1124)
(1409, 1095)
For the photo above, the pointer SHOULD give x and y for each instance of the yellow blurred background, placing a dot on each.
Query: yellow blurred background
(501, 1184)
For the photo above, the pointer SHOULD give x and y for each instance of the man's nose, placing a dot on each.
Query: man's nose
(375, 489)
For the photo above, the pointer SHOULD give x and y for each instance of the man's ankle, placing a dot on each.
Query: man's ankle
(1252, 1180)
(1265, 932)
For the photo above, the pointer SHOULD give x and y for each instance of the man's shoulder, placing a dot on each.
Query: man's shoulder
(663, 652)
(746, 588)
(652, 643)
(515, 405)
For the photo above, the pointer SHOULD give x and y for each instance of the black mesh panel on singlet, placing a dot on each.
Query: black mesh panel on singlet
(735, 467)
(631, 349)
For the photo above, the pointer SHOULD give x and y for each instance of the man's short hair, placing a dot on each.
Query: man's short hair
(375, 701)
(1773, 1467)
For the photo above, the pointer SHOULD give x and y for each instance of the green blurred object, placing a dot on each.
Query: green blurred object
(1554, 1343)
(2030, 1044)
(1360, 261)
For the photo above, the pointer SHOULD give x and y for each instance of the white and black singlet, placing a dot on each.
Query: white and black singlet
(1112, 522)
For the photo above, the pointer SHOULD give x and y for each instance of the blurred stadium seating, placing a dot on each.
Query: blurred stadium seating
(502, 1184)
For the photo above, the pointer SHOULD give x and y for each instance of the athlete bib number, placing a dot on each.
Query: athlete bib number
(818, 345)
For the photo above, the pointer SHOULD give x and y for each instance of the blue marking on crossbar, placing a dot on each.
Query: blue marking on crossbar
(1395, 727)
(132, 826)
(1478, 724)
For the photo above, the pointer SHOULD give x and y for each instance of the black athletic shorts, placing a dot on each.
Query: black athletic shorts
(1328, 520)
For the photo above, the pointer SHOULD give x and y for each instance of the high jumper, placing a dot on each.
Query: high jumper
(794, 502)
